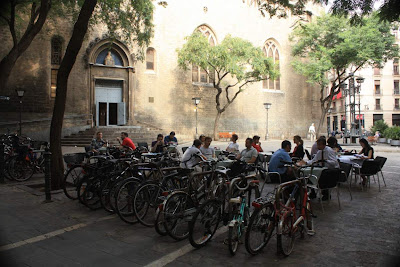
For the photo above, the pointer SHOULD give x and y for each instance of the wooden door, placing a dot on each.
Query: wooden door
(102, 114)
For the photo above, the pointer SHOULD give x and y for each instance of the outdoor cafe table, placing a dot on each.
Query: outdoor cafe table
(316, 173)
(351, 159)
(225, 163)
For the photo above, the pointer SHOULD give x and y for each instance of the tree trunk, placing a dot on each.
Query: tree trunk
(216, 136)
(74, 45)
(8, 62)
(321, 120)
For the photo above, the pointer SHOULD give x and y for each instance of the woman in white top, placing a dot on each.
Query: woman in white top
(233, 146)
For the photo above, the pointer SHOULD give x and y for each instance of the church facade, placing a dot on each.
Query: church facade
(108, 87)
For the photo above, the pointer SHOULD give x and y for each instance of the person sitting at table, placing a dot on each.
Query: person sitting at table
(233, 146)
(192, 156)
(171, 139)
(367, 152)
(325, 155)
(206, 150)
(314, 148)
(275, 164)
(158, 146)
(202, 138)
(333, 143)
(127, 143)
(97, 143)
(249, 154)
(257, 144)
(298, 151)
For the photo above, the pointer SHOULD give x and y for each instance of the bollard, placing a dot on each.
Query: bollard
(2, 164)
(47, 175)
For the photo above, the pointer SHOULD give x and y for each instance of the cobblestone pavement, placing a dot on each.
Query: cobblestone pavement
(365, 232)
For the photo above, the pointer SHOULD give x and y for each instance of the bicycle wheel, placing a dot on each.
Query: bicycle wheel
(71, 179)
(105, 191)
(124, 199)
(146, 201)
(204, 223)
(285, 240)
(90, 196)
(178, 207)
(159, 223)
(260, 228)
(233, 237)
(22, 169)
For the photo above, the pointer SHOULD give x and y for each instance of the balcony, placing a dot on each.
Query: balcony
(378, 107)
(396, 92)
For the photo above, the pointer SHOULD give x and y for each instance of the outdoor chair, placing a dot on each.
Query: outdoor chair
(143, 144)
(368, 168)
(328, 180)
(381, 161)
(308, 154)
(345, 169)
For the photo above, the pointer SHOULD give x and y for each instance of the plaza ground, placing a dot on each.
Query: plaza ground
(365, 232)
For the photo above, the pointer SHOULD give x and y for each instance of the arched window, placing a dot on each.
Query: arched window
(56, 55)
(199, 74)
(271, 50)
(150, 58)
(109, 57)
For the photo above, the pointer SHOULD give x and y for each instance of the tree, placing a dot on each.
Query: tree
(130, 20)
(12, 13)
(231, 66)
(328, 50)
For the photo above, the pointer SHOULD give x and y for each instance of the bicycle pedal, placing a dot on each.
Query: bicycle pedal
(310, 232)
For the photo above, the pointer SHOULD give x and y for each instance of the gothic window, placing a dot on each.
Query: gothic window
(56, 55)
(271, 50)
(199, 74)
(150, 58)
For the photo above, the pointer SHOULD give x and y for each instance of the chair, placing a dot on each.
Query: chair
(328, 179)
(308, 154)
(143, 144)
(369, 168)
(381, 162)
(345, 169)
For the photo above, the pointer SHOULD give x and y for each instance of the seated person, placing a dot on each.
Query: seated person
(171, 139)
(97, 142)
(206, 150)
(127, 143)
(249, 154)
(257, 144)
(298, 151)
(333, 143)
(325, 154)
(192, 155)
(202, 138)
(367, 152)
(158, 145)
(314, 148)
(233, 147)
(275, 164)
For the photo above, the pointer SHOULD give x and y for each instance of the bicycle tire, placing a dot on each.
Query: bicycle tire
(22, 169)
(71, 179)
(204, 223)
(233, 238)
(105, 191)
(176, 211)
(159, 223)
(261, 224)
(285, 240)
(145, 202)
(124, 199)
(91, 195)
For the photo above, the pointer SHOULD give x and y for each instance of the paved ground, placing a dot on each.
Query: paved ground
(366, 232)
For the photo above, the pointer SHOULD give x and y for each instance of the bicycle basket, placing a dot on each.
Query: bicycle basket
(75, 158)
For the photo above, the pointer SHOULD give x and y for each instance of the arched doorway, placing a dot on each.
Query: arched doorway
(111, 81)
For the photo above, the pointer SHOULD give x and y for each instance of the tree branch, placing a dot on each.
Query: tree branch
(227, 90)
(12, 23)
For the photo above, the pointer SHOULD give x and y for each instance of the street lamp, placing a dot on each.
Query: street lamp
(267, 106)
(328, 124)
(196, 101)
(359, 80)
(20, 94)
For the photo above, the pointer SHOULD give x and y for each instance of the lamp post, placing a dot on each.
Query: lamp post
(267, 106)
(20, 94)
(359, 80)
(196, 101)
(343, 87)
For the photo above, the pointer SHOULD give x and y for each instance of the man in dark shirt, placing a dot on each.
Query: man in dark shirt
(97, 142)
(158, 146)
(171, 139)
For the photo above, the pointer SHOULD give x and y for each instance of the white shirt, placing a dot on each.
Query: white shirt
(232, 147)
(327, 154)
(191, 157)
(311, 129)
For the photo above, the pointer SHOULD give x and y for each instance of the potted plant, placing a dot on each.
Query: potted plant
(380, 126)
(394, 134)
